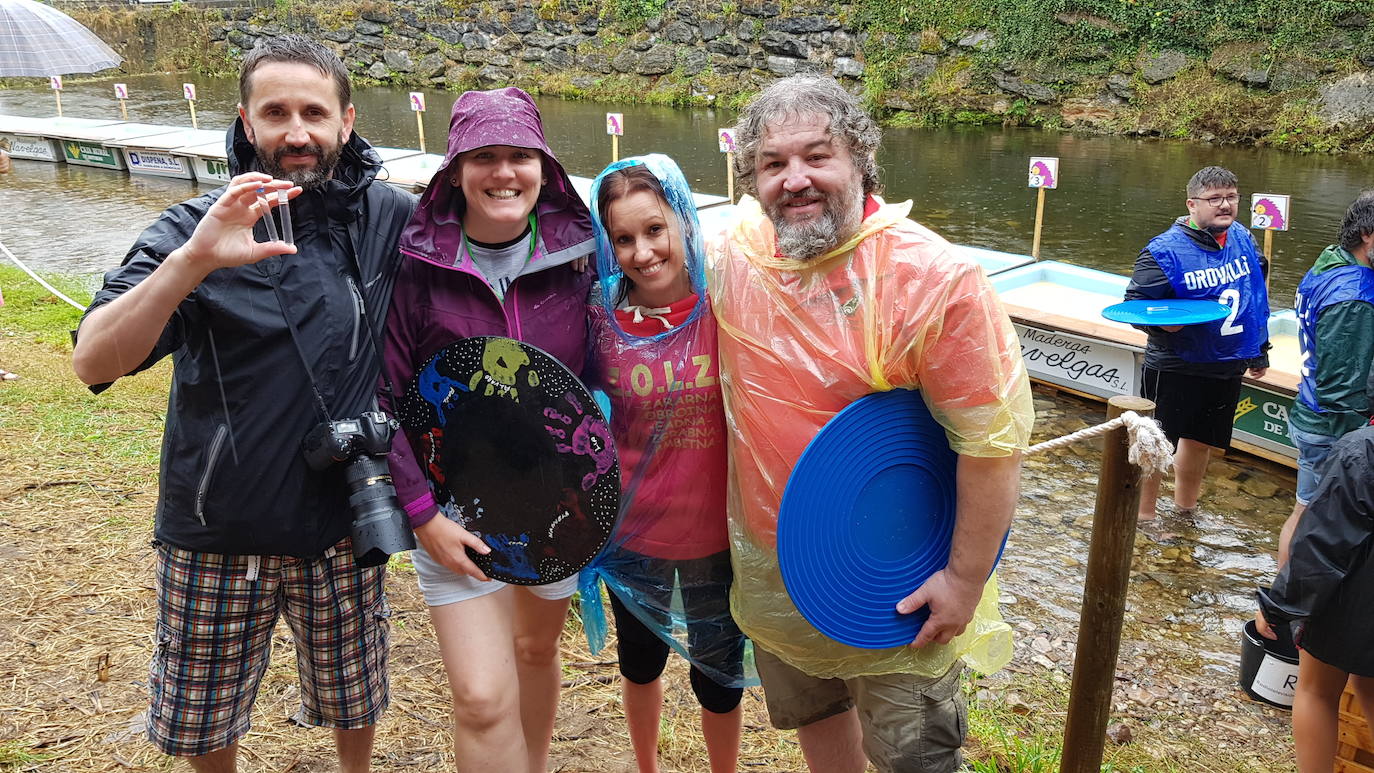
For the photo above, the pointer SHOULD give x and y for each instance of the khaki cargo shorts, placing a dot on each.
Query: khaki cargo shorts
(910, 723)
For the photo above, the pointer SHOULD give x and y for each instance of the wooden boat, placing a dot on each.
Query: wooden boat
(94, 145)
(1056, 308)
(165, 155)
(209, 162)
(33, 138)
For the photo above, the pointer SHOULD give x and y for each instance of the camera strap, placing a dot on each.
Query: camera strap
(273, 275)
(272, 268)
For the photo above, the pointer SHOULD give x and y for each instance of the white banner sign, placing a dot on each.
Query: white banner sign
(121, 91)
(417, 101)
(35, 148)
(1095, 367)
(55, 81)
(615, 123)
(157, 163)
(212, 170)
(188, 90)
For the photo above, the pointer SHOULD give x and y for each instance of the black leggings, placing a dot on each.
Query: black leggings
(643, 654)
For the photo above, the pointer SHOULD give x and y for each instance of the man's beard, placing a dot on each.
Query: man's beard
(309, 177)
(812, 238)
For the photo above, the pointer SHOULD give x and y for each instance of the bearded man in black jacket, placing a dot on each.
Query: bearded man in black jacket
(267, 341)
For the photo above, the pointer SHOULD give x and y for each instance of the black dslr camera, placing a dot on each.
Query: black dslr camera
(380, 525)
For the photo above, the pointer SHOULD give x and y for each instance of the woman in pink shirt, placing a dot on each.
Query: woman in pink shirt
(654, 349)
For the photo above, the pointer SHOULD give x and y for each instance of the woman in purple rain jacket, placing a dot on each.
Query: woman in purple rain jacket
(497, 246)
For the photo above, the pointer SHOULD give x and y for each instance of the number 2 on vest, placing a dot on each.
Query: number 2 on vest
(1231, 298)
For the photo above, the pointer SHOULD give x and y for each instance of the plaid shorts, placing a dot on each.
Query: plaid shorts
(214, 637)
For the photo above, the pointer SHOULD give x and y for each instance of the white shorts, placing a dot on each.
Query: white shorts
(441, 585)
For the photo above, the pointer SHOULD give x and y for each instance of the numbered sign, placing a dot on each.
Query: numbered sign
(121, 91)
(727, 140)
(615, 124)
(417, 101)
(56, 82)
(1269, 211)
(189, 91)
(1044, 172)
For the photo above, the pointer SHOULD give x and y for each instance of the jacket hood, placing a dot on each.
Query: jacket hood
(499, 117)
(679, 197)
(1334, 256)
(341, 196)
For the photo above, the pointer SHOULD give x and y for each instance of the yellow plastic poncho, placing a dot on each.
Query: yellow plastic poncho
(799, 341)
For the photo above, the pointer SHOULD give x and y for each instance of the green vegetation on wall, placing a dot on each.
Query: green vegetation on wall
(1042, 30)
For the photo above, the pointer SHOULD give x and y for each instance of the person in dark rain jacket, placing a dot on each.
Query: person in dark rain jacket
(1326, 590)
(267, 341)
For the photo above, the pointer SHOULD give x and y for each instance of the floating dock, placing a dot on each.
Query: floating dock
(1056, 307)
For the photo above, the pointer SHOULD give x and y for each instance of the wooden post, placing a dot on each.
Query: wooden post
(420, 126)
(730, 176)
(58, 93)
(192, 103)
(615, 148)
(1269, 254)
(123, 110)
(1104, 596)
(1039, 220)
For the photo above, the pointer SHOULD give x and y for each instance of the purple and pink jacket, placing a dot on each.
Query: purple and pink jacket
(441, 297)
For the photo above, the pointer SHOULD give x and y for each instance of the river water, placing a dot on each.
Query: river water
(1191, 588)
(967, 183)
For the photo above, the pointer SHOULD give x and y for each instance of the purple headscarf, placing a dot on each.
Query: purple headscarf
(499, 117)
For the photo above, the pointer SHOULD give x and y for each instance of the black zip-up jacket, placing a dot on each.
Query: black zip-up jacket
(1330, 569)
(233, 479)
(1149, 281)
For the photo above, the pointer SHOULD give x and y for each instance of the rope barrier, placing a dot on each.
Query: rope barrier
(1150, 450)
(39, 279)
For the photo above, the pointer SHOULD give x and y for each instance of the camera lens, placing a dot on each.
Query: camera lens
(380, 525)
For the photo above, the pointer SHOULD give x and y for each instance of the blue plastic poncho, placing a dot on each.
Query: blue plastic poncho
(668, 562)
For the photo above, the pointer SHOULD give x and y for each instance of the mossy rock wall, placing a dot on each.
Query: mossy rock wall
(1269, 72)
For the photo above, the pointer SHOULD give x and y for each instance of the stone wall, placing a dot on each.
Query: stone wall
(498, 43)
(694, 52)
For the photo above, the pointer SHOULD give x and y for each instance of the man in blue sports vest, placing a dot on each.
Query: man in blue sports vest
(1335, 305)
(1193, 372)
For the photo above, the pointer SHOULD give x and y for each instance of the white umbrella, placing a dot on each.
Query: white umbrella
(37, 40)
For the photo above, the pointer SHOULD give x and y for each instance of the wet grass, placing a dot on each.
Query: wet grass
(123, 426)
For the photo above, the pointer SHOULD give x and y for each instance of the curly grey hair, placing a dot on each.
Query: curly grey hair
(1358, 221)
(802, 95)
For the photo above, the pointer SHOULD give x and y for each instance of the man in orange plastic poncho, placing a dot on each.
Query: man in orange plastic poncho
(825, 294)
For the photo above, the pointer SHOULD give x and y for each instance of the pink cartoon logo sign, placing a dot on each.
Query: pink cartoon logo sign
(417, 101)
(1269, 211)
(615, 124)
(55, 82)
(1044, 172)
(121, 91)
(727, 140)
(188, 90)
